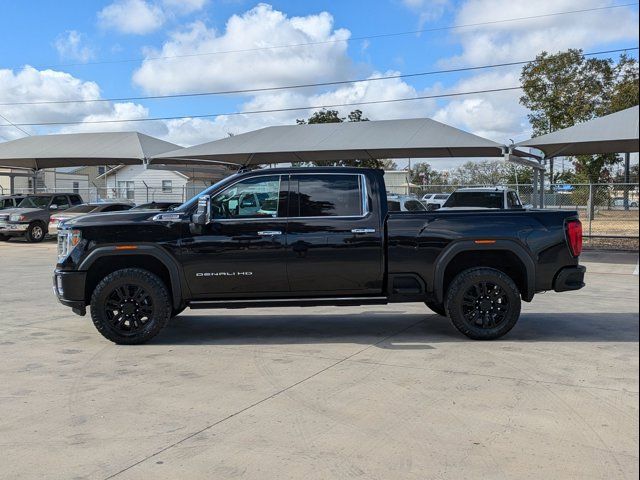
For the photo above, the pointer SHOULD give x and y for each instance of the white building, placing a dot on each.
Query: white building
(49, 180)
(141, 185)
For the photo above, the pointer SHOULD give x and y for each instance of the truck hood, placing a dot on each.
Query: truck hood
(113, 218)
(20, 211)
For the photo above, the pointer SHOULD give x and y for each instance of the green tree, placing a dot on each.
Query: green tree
(566, 88)
(423, 174)
(333, 116)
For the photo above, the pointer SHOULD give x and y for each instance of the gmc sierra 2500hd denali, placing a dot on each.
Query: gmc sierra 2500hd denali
(311, 236)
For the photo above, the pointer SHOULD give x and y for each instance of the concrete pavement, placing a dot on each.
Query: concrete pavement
(321, 393)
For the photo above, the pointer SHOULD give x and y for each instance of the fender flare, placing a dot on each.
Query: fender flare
(454, 249)
(150, 250)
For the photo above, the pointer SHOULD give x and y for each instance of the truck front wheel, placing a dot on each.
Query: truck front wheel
(130, 306)
(483, 303)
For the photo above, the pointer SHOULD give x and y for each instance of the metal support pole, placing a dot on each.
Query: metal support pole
(541, 188)
(12, 184)
(627, 179)
(534, 194)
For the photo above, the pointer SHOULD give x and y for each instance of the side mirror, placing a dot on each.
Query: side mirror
(53, 207)
(203, 212)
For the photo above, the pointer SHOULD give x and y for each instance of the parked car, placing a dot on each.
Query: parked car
(435, 199)
(161, 206)
(85, 209)
(618, 202)
(31, 217)
(483, 198)
(404, 203)
(332, 241)
(10, 201)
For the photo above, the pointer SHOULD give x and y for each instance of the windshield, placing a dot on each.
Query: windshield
(475, 199)
(81, 209)
(34, 202)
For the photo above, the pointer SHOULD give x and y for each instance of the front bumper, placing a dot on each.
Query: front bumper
(569, 278)
(69, 289)
(13, 228)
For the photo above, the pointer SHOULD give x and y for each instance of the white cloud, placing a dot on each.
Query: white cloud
(522, 40)
(32, 85)
(70, 45)
(427, 10)
(184, 6)
(260, 27)
(131, 16)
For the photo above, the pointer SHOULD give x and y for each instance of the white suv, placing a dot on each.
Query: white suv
(435, 199)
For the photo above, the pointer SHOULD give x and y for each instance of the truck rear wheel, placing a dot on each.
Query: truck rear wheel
(483, 303)
(35, 232)
(130, 306)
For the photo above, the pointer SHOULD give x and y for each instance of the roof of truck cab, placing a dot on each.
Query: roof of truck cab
(484, 189)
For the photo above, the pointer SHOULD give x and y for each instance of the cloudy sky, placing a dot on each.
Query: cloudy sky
(116, 49)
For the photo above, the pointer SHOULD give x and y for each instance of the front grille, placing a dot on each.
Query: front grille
(4, 218)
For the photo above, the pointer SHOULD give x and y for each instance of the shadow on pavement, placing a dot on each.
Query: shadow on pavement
(371, 327)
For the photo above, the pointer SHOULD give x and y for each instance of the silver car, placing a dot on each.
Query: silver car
(85, 209)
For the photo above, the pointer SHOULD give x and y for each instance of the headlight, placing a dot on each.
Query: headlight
(16, 218)
(67, 241)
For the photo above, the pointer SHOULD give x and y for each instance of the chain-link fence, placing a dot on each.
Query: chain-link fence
(609, 212)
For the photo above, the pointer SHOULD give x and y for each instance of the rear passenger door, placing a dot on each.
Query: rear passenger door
(334, 242)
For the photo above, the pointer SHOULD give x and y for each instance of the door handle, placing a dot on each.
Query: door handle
(363, 230)
(269, 233)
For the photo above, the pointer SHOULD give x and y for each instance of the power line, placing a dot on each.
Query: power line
(274, 110)
(364, 37)
(11, 124)
(291, 87)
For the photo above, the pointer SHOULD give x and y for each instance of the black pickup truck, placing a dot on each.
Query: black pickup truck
(311, 236)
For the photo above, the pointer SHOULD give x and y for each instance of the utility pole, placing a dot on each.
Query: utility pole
(627, 179)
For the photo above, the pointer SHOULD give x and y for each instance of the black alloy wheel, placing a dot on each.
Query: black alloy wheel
(130, 306)
(483, 303)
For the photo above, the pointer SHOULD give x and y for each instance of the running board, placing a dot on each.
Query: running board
(289, 302)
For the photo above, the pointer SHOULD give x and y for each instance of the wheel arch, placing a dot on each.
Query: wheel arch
(505, 255)
(105, 260)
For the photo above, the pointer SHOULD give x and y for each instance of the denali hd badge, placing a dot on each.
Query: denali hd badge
(224, 274)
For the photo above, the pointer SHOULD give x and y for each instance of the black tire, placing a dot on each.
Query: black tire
(4, 238)
(35, 232)
(437, 308)
(130, 306)
(483, 303)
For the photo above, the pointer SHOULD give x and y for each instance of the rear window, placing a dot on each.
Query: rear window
(475, 199)
(82, 209)
(326, 195)
(441, 197)
(414, 206)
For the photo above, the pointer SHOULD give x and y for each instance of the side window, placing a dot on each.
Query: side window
(76, 200)
(326, 195)
(394, 205)
(256, 197)
(61, 201)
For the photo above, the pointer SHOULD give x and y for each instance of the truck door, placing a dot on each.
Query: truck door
(241, 252)
(334, 240)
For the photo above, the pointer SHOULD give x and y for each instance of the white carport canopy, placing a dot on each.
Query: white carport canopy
(615, 133)
(81, 149)
(411, 138)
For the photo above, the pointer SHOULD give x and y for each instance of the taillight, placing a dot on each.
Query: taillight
(574, 237)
